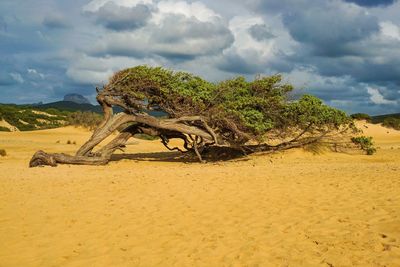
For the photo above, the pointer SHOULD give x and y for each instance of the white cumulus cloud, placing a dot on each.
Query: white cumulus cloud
(377, 98)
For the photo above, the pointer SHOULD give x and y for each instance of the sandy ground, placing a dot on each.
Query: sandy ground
(285, 209)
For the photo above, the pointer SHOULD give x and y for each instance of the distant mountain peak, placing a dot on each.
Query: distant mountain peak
(76, 98)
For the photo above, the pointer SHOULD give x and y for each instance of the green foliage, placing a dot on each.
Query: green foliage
(3, 152)
(365, 143)
(167, 85)
(85, 119)
(361, 116)
(392, 122)
(255, 105)
(4, 129)
(310, 112)
(146, 137)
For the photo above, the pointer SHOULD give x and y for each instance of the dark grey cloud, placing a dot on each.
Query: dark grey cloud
(372, 60)
(328, 29)
(235, 63)
(187, 33)
(6, 79)
(55, 22)
(175, 38)
(341, 93)
(3, 24)
(120, 18)
(22, 38)
(174, 28)
(261, 32)
(280, 7)
(353, 97)
(372, 3)
(250, 65)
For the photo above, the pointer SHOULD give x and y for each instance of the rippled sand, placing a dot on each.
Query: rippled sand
(285, 209)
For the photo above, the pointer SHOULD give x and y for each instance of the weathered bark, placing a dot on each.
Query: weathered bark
(102, 133)
(41, 158)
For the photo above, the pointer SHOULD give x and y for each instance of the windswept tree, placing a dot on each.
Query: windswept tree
(235, 114)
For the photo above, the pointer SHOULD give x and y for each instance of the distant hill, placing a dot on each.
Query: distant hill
(71, 106)
(381, 118)
(76, 98)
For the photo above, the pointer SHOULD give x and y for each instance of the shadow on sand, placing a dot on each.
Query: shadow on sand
(211, 155)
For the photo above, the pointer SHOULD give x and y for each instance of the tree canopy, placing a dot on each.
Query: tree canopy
(238, 109)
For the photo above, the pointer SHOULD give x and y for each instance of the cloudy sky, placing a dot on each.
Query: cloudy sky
(346, 52)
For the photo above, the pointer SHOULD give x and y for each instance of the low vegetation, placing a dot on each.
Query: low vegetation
(29, 118)
(3, 153)
(364, 143)
(69, 142)
(392, 122)
(24, 118)
(361, 116)
(381, 118)
(4, 129)
(146, 137)
(389, 120)
(85, 119)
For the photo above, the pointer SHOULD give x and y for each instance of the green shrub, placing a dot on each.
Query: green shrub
(146, 137)
(361, 116)
(392, 122)
(85, 119)
(3, 152)
(364, 143)
(56, 112)
(4, 129)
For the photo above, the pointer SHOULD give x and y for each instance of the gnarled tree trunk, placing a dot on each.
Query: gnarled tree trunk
(192, 130)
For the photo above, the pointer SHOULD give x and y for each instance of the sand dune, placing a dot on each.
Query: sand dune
(5, 124)
(286, 209)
